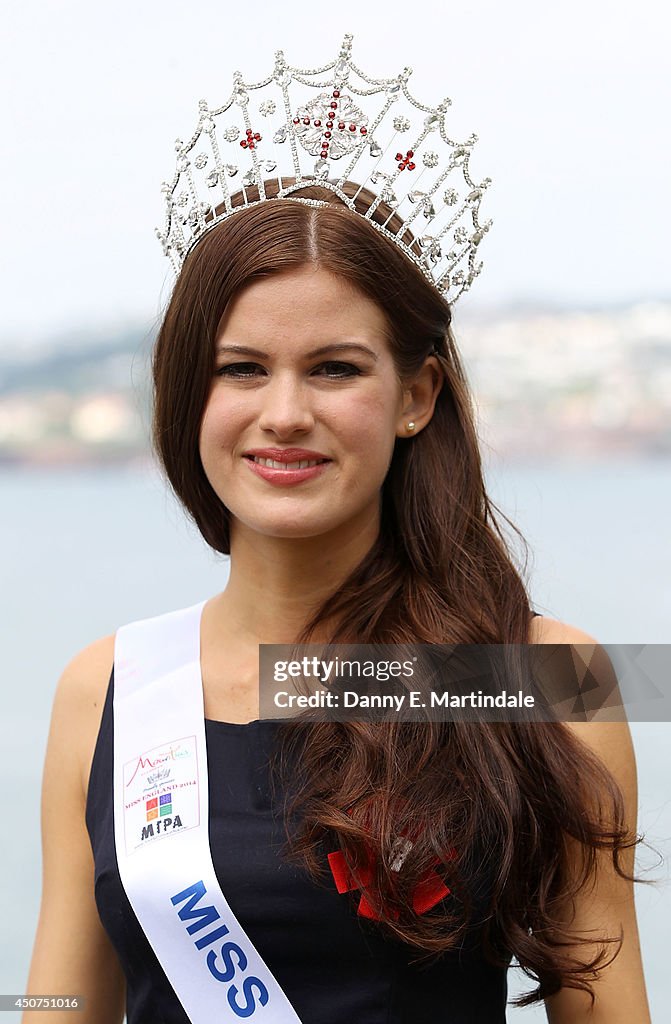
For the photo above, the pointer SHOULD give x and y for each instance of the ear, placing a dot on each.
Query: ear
(419, 398)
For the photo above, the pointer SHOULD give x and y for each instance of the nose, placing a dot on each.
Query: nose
(286, 408)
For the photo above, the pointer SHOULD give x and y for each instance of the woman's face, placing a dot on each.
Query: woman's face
(303, 374)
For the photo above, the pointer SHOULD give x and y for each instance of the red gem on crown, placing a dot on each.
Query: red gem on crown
(251, 140)
(405, 161)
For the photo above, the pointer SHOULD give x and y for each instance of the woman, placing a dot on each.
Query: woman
(312, 414)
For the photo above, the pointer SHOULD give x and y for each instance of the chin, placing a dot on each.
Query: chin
(290, 525)
(287, 518)
(292, 530)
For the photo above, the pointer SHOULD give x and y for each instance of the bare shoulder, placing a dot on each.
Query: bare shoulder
(89, 671)
(608, 734)
(543, 630)
(79, 699)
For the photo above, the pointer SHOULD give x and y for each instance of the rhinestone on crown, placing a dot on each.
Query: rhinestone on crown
(326, 128)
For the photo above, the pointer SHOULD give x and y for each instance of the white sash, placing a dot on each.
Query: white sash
(161, 827)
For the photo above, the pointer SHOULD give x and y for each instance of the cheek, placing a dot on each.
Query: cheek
(208, 433)
(367, 428)
(220, 422)
(375, 413)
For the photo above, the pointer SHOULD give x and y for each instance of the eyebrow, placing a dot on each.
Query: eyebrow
(338, 346)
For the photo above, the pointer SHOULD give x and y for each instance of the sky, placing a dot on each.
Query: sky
(569, 102)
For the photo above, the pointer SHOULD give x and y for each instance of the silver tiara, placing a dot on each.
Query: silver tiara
(310, 125)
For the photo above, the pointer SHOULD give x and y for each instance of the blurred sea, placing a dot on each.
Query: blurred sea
(85, 551)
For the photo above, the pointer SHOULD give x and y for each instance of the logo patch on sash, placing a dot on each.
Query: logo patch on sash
(161, 792)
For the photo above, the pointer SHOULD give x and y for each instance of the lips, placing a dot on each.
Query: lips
(283, 473)
(286, 455)
(286, 458)
(298, 464)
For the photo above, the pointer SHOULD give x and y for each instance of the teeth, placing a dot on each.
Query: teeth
(273, 464)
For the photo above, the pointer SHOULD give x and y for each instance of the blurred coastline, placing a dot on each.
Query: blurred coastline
(548, 382)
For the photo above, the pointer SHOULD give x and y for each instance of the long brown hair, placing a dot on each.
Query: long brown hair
(441, 571)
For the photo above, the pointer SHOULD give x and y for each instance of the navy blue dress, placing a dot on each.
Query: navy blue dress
(334, 965)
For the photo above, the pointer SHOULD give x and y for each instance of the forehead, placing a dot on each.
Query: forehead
(300, 303)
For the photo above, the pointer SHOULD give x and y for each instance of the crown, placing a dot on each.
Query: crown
(309, 126)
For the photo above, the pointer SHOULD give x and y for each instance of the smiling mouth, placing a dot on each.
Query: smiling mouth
(274, 464)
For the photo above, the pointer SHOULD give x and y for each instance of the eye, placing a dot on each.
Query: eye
(338, 370)
(241, 371)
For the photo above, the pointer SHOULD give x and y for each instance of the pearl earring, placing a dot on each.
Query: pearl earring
(411, 425)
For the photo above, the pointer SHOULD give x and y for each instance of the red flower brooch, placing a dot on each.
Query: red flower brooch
(429, 891)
